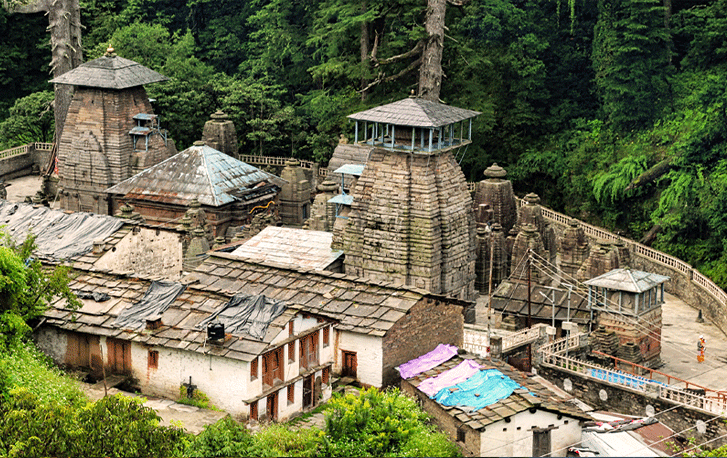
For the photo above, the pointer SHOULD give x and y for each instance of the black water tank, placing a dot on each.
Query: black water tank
(215, 331)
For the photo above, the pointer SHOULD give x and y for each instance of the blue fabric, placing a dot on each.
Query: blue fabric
(620, 378)
(481, 390)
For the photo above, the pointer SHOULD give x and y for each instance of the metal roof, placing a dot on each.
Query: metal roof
(351, 169)
(291, 247)
(344, 199)
(200, 172)
(634, 281)
(110, 72)
(415, 112)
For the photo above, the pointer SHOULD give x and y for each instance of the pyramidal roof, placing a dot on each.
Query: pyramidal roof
(415, 112)
(201, 173)
(110, 72)
(634, 281)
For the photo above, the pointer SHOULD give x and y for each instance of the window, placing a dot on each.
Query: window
(290, 328)
(153, 359)
(326, 336)
(309, 350)
(326, 375)
(253, 369)
(460, 435)
(291, 352)
(291, 394)
(273, 366)
(253, 410)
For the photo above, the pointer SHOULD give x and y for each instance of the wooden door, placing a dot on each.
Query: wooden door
(119, 356)
(349, 365)
(541, 442)
(308, 391)
(273, 407)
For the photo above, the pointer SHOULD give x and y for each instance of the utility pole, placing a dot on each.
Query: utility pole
(489, 303)
(530, 316)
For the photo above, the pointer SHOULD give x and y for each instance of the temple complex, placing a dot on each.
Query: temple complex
(111, 131)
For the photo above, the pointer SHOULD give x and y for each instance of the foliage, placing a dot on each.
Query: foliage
(198, 399)
(377, 423)
(30, 120)
(26, 287)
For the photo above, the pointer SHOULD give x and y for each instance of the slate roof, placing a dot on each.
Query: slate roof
(110, 72)
(415, 112)
(200, 172)
(290, 247)
(533, 394)
(360, 306)
(511, 297)
(633, 281)
(179, 321)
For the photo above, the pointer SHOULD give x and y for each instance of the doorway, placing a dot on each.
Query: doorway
(349, 365)
(273, 407)
(308, 392)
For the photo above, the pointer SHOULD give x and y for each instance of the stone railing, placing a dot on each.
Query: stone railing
(280, 161)
(551, 355)
(17, 151)
(476, 340)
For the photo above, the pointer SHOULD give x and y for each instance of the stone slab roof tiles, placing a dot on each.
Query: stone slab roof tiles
(110, 72)
(415, 112)
(520, 400)
(511, 297)
(200, 172)
(289, 247)
(356, 304)
(633, 281)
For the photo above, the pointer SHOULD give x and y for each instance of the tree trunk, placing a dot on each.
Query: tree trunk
(64, 24)
(430, 70)
(364, 50)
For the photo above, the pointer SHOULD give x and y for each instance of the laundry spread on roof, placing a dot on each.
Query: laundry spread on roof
(250, 314)
(458, 374)
(484, 388)
(427, 361)
(155, 302)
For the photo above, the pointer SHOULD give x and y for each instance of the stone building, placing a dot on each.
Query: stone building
(495, 194)
(295, 194)
(628, 302)
(411, 220)
(111, 131)
(227, 189)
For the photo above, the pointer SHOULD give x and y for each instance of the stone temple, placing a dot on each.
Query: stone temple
(411, 220)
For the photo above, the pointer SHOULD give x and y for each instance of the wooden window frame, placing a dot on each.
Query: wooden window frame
(254, 369)
(273, 367)
(326, 336)
(253, 411)
(309, 353)
(326, 375)
(291, 393)
(291, 352)
(153, 359)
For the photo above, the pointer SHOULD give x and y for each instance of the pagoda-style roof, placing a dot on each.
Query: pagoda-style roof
(201, 173)
(110, 72)
(415, 112)
(633, 281)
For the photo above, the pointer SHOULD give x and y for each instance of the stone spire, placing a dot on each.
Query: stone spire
(295, 195)
(323, 213)
(573, 248)
(527, 239)
(496, 192)
(532, 213)
(487, 242)
(602, 258)
(219, 133)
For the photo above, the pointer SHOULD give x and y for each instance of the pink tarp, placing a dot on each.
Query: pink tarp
(458, 374)
(425, 362)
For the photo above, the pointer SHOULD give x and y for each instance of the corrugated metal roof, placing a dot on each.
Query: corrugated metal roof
(415, 112)
(344, 199)
(351, 169)
(290, 247)
(634, 281)
(200, 172)
(110, 72)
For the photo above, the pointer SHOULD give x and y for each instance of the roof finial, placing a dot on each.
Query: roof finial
(109, 52)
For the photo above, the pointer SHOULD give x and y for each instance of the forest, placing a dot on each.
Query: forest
(613, 111)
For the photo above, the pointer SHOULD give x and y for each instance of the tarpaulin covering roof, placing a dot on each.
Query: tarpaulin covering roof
(110, 72)
(155, 302)
(248, 314)
(427, 361)
(415, 112)
(484, 388)
(202, 173)
(59, 235)
(458, 374)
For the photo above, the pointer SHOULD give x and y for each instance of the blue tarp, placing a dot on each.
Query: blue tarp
(481, 390)
(635, 381)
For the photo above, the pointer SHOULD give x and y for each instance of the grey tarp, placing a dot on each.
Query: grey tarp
(156, 300)
(59, 235)
(246, 313)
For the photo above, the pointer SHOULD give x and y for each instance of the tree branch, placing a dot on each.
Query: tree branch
(458, 2)
(390, 60)
(381, 79)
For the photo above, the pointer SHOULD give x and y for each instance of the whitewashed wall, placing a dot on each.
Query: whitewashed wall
(149, 252)
(516, 438)
(369, 356)
(52, 343)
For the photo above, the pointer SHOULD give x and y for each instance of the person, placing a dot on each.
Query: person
(701, 346)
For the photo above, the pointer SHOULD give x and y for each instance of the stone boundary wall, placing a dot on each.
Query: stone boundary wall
(602, 395)
(19, 161)
(687, 283)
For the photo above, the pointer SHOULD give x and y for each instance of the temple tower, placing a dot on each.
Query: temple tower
(573, 248)
(496, 193)
(411, 219)
(219, 133)
(111, 131)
